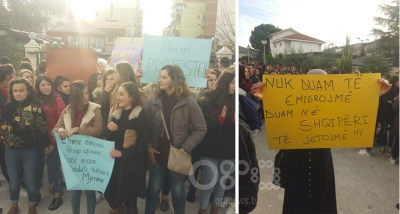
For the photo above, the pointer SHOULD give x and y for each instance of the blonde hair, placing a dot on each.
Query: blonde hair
(23, 71)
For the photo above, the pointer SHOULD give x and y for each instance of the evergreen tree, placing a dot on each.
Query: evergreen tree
(346, 60)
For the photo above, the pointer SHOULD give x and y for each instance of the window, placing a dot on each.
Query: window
(280, 44)
(275, 45)
(97, 13)
(112, 6)
(198, 16)
(111, 15)
(204, 17)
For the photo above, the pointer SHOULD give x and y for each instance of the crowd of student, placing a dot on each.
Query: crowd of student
(115, 106)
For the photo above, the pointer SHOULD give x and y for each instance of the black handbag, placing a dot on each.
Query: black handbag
(281, 169)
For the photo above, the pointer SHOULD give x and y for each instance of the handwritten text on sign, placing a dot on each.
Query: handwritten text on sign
(192, 55)
(320, 111)
(86, 162)
(127, 49)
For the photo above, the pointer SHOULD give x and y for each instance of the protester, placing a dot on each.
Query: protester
(102, 65)
(26, 65)
(4, 60)
(252, 74)
(395, 130)
(61, 86)
(6, 74)
(80, 117)
(218, 108)
(211, 80)
(129, 129)
(95, 81)
(180, 111)
(25, 134)
(41, 68)
(26, 59)
(224, 64)
(108, 79)
(244, 79)
(27, 74)
(52, 105)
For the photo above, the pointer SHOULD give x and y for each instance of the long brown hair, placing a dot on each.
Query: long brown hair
(127, 75)
(75, 99)
(41, 98)
(179, 86)
(219, 97)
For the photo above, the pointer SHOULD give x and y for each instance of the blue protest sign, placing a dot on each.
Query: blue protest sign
(86, 162)
(192, 55)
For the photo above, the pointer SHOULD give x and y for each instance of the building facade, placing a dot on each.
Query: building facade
(126, 11)
(193, 19)
(79, 34)
(284, 41)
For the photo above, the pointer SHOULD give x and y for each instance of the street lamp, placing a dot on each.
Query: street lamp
(248, 54)
(264, 42)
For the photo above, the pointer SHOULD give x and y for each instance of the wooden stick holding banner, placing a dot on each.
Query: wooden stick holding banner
(320, 111)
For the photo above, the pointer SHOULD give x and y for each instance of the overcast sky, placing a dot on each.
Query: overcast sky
(327, 20)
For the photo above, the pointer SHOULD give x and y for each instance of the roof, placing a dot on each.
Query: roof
(23, 36)
(299, 36)
(252, 52)
(77, 27)
(110, 24)
(284, 30)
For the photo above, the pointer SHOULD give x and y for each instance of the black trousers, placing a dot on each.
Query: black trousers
(112, 187)
(395, 148)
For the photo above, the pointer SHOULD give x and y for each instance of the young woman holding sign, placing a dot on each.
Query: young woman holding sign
(129, 129)
(80, 117)
(52, 105)
(186, 126)
(25, 134)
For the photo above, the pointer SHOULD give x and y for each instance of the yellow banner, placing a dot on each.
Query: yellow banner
(320, 111)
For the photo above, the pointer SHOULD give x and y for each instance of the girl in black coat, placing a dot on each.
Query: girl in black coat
(130, 131)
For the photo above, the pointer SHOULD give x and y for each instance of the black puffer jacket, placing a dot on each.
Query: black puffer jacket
(23, 125)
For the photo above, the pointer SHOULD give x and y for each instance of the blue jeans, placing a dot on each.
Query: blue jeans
(217, 187)
(76, 201)
(22, 160)
(40, 169)
(177, 186)
(54, 169)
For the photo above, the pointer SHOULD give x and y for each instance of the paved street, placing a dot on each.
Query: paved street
(363, 184)
(101, 208)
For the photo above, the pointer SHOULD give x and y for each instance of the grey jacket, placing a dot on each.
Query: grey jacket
(187, 124)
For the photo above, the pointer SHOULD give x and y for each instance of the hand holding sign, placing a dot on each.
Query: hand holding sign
(86, 162)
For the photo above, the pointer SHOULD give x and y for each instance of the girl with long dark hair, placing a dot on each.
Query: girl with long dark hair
(218, 108)
(52, 105)
(80, 117)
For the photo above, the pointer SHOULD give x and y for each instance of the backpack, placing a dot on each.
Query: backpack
(251, 111)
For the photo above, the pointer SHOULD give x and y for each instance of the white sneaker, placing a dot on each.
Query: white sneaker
(23, 193)
(224, 203)
(99, 197)
(392, 160)
(231, 209)
(364, 152)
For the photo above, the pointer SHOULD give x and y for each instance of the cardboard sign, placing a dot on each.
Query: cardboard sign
(128, 49)
(86, 162)
(73, 63)
(192, 55)
(320, 111)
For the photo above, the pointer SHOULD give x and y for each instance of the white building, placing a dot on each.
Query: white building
(287, 39)
(127, 11)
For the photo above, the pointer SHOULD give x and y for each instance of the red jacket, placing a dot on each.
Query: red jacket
(53, 113)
